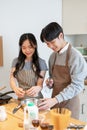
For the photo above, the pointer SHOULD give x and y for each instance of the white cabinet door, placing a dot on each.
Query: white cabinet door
(74, 16)
(83, 105)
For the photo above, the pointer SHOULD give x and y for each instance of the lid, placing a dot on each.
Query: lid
(30, 104)
(50, 127)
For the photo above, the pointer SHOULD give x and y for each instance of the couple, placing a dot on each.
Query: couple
(67, 70)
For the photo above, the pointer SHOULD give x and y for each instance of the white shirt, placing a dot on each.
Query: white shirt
(64, 49)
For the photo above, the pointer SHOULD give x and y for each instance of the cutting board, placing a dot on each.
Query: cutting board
(11, 105)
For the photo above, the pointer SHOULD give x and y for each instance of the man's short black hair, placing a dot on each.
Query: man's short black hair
(51, 31)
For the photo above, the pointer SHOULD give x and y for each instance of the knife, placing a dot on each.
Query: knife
(17, 108)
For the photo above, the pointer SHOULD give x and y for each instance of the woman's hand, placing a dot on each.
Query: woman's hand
(33, 91)
(19, 92)
(47, 103)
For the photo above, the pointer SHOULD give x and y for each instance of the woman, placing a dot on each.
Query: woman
(67, 68)
(28, 69)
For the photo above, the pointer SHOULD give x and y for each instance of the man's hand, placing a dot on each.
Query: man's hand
(47, 103)
(49, 82)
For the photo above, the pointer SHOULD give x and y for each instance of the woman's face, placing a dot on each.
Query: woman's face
(28, 49)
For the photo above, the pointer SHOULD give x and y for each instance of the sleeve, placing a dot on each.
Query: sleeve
(43, 64)
(14, 62)
(78, 71)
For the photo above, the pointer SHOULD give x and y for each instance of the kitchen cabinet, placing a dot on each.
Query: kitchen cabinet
(83, 105)
(1, 52)
(74, 16)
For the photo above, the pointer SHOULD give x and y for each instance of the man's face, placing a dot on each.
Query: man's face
(56, 44)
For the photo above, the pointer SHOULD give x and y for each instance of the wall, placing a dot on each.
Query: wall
(74, 16)
(74, 21)
(20, 16)
(81, 40)
(70, 39)
(1, 52)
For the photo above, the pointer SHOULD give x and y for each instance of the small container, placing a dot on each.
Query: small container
(3, 114)
(50, 127)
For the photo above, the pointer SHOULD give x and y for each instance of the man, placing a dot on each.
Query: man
(67, 68)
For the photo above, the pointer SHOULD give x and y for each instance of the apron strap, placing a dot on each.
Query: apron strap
(54, 61)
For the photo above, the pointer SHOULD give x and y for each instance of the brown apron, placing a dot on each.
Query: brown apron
(26, 79)
(62, 78)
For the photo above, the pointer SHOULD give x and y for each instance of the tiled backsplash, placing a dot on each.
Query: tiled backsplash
(77, 40)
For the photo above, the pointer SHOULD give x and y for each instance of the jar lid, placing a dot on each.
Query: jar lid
(50, 127)
(30, 104)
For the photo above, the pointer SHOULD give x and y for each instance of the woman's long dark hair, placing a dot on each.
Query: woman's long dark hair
(21, 58)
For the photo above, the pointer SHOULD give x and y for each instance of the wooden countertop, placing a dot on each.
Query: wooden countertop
(13, 120)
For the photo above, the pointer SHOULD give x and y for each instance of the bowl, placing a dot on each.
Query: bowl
(35, 100)
(85, 51)
(82, 50)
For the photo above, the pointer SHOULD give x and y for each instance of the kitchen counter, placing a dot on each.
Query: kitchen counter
(13, 121)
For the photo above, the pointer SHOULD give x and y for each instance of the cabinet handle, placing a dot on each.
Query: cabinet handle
(82, 108)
